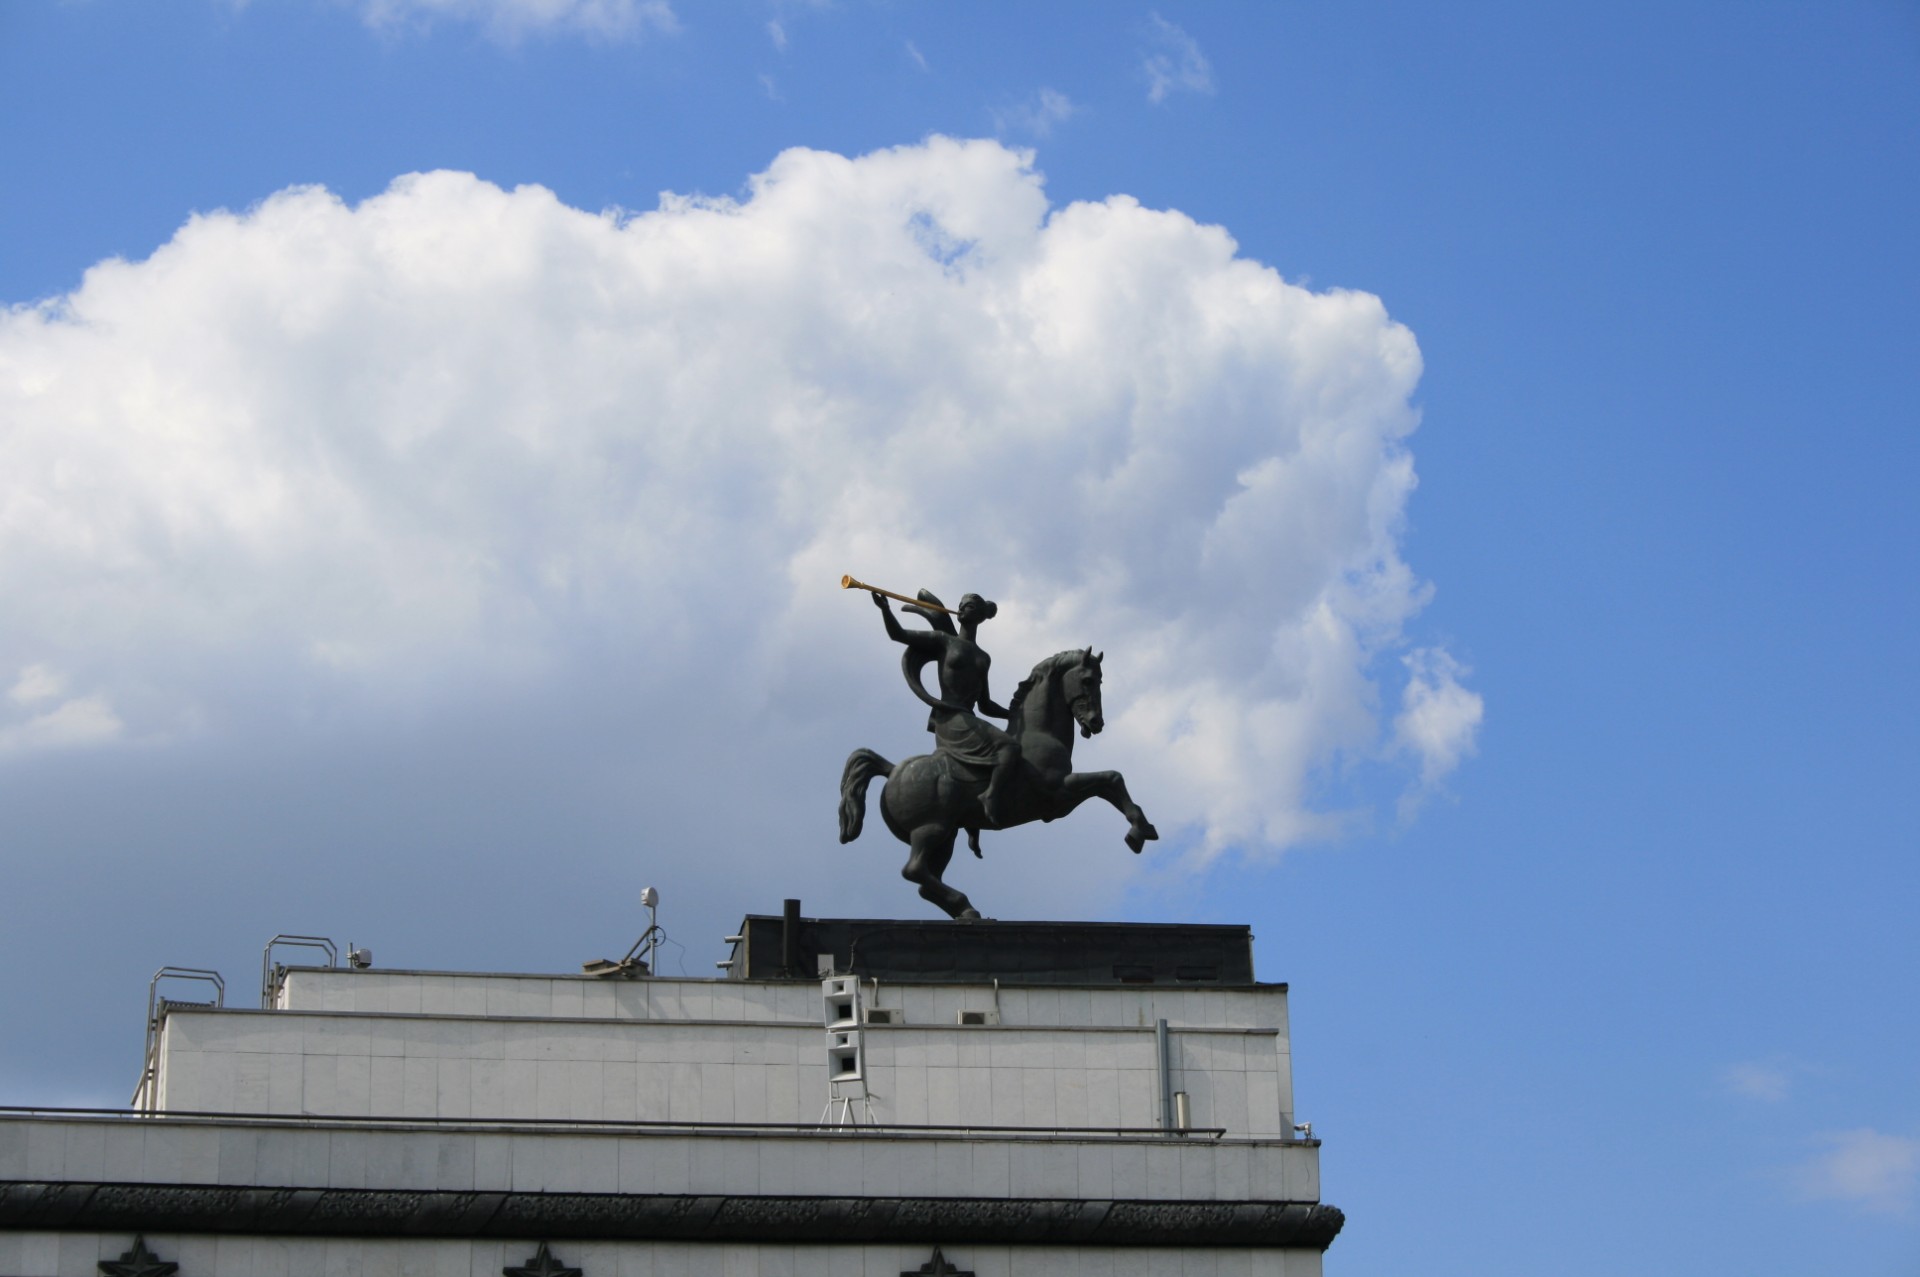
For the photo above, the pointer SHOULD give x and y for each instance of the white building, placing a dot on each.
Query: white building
(1014, 1099)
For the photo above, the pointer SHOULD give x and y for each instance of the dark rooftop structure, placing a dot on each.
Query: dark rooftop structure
(790, 947)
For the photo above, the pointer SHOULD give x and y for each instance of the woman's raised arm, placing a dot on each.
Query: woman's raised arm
(919, 640)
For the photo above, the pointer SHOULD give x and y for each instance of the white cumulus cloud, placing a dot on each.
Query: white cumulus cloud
(37, 683)
(46, 718)
(1174, 63)
(459, 447)
(1439, 718)
(1765, 1081)
(1870, 1169)
(512, 19)
(1036, 114)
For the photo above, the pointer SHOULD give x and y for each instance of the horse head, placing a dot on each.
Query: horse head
(1080, 684)
(1070, 679)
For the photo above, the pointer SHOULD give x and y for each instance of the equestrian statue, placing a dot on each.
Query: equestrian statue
(980, 776)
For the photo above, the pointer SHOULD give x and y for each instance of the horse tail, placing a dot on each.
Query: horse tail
(862, 766)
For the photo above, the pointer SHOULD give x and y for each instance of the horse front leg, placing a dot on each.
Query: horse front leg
(931, 848)
(1113, 787)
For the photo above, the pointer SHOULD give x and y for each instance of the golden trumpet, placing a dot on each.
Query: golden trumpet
(848, 583)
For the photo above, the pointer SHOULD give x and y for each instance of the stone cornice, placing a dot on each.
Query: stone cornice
(212, 1208)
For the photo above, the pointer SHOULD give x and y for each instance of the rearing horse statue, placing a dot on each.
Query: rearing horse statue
(979, 778)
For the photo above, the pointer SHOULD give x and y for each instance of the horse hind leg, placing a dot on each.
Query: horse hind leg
(930, 850)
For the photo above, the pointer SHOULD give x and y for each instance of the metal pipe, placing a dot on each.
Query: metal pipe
(1166, 1074)
(790, 939)
(1182, 1113)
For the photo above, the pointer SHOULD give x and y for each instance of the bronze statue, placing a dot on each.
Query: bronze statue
(979, 776)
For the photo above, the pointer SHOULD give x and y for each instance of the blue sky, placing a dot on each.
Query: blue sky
(413, 563)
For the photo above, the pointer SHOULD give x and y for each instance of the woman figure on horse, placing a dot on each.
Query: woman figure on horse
(962, 667)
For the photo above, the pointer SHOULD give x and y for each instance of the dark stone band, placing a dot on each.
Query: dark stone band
(375, 1212)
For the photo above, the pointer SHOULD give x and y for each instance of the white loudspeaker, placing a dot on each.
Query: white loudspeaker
(840, 1011)
(840, 1001)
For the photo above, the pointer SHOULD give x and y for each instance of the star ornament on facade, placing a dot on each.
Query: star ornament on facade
(139, 1262)
(936, 1267)
(543, 1264)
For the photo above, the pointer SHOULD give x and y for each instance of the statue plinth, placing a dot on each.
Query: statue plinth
(1032, 953)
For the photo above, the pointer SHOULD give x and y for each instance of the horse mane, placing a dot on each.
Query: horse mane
(1044, 670)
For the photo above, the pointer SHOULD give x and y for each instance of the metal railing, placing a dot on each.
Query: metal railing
(145, 1094)
(270, 973)
(636, 1125)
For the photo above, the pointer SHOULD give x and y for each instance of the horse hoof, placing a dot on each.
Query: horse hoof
(1138, 838)
(967, 915)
